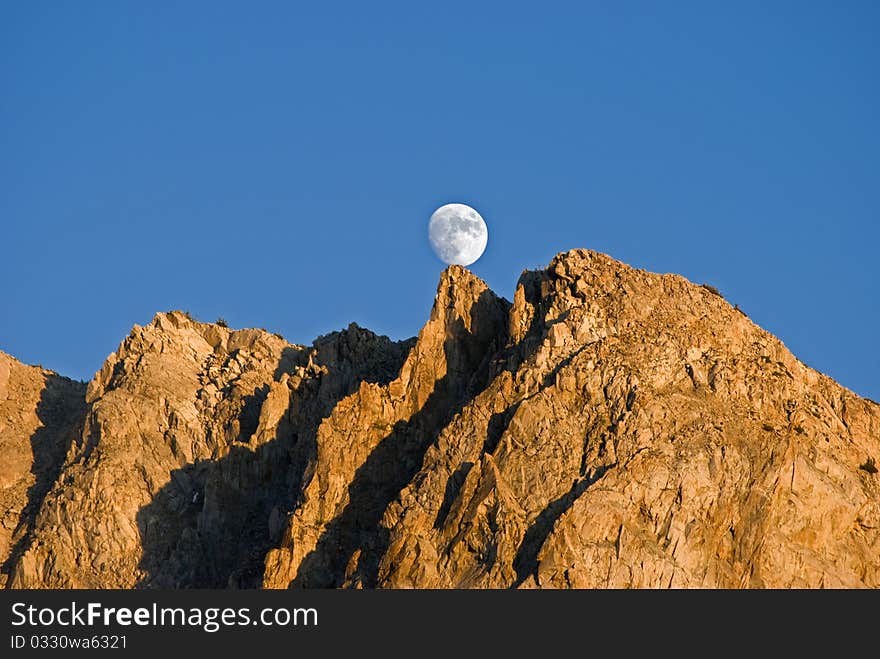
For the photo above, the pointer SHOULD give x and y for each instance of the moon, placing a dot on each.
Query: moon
(458, 234)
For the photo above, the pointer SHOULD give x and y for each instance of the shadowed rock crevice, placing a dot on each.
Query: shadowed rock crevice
(451, 492)
(61, 411)
(525, 563)
(249, 418)
(497, 426)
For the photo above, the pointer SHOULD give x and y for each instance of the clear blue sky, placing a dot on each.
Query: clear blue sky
(276, 163)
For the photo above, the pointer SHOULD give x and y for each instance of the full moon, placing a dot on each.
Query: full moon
(458, 234)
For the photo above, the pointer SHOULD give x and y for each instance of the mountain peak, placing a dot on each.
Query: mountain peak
(609, 427)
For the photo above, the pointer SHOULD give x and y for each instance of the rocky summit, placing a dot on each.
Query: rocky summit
(608, 428)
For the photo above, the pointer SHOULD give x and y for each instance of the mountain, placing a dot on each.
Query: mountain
(608, 428)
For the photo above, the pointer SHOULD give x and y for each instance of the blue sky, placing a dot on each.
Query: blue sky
(276, 163)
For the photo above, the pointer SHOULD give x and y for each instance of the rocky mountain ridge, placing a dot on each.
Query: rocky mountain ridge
(608, 428)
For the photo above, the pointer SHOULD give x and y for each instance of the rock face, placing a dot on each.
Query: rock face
(609, 428)
(41, 414)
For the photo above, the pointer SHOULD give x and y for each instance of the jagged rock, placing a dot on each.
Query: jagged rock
(608, 428)
(40, 414)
